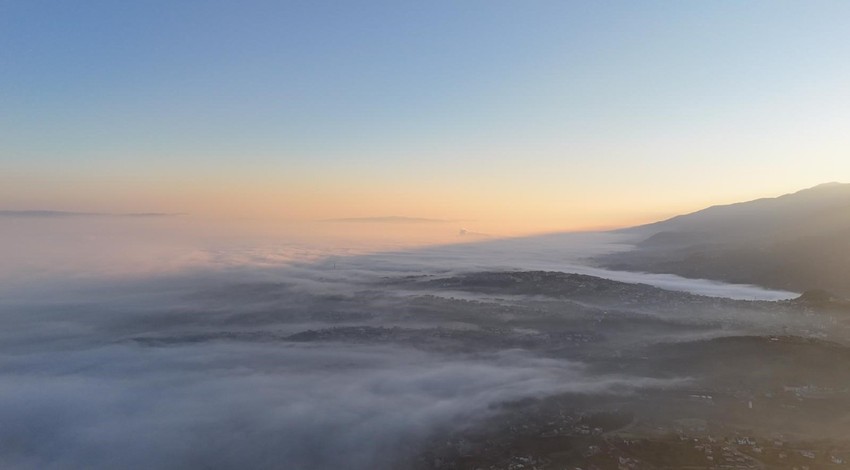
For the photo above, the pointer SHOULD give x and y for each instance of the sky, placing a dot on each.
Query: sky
(511, 117)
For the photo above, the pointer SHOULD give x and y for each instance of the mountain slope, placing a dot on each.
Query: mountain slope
(798, 241)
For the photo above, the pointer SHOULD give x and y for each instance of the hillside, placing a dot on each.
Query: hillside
(797, 242)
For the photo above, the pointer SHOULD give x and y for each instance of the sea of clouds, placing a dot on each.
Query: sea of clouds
(128, 346)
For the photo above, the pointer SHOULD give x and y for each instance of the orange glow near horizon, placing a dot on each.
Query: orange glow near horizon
(489, 207)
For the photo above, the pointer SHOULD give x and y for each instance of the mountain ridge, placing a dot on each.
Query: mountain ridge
(797, 241)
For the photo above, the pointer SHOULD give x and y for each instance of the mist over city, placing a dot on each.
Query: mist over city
(475, 235)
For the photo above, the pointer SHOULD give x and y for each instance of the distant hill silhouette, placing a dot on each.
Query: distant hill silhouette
(393, 219)
(36, 214)
(798, 242)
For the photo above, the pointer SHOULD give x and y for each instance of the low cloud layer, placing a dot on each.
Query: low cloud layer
(196, 366)
(256, 406)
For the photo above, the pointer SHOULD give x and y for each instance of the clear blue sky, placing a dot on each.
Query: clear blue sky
(350, 103)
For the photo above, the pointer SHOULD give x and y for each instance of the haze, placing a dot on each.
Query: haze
(438, 235)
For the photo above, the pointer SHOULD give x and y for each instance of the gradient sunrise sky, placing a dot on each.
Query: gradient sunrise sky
(518, 116)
